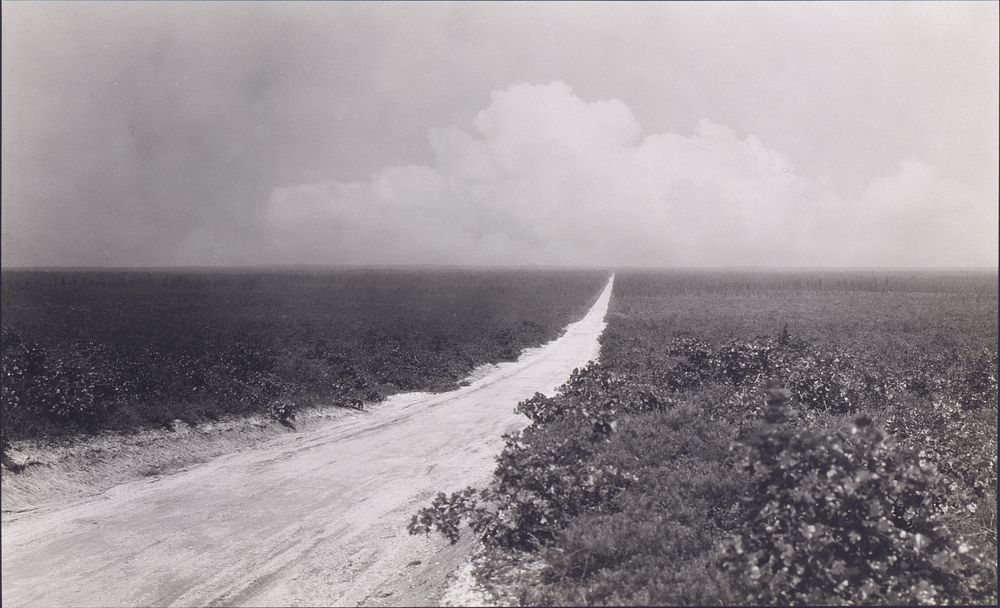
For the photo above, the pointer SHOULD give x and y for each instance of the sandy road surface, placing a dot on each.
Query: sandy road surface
(311, 518)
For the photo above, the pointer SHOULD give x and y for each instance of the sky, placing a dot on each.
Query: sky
(585, 134)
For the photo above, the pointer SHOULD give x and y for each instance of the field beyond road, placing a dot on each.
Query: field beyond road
(313, 518)
(779, 437)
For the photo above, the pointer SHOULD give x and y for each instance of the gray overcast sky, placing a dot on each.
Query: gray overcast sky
(663, 134)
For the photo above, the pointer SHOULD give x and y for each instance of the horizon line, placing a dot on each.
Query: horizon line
(245, 267)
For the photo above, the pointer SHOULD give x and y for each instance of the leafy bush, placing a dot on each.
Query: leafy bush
(979, 374)
(848, 518)
(282, 410)
(544, 477)
(747, 362)
(962, 444)
(820, 381)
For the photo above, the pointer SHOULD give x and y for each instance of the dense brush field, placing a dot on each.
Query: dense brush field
(84, 351)
(757, 438)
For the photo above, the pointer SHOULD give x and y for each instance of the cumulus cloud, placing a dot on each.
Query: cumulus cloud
(544, 177)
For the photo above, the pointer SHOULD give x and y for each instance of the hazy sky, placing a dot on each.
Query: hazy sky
(607, 134)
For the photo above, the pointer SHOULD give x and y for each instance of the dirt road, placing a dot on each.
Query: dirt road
(311, 518)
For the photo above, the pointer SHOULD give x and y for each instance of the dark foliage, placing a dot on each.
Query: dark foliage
(84, 351)
(848, 518)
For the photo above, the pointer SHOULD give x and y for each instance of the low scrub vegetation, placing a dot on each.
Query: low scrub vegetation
(85, 351)
(835, 457)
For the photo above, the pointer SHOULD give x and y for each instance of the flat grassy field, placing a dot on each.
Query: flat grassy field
(91, 350)
(751, 437)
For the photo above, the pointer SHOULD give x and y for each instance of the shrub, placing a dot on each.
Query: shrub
(821, 381)
(544, 477)
(747, 362)
(540, 409)
(847, 518)
(979, 386)
(282, 410)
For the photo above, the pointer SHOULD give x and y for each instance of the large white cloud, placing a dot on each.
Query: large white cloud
(547, 178)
